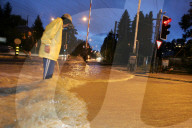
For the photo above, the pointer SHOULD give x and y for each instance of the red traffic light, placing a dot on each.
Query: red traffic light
(166, 22)
(164, 27)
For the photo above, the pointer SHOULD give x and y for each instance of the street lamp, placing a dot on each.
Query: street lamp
(84, 18)
(52, 18)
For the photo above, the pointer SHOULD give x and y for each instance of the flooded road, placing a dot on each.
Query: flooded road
(29, 102)
(84, 95)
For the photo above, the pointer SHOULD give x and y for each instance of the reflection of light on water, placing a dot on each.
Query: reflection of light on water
(87, 69)
(82, 71)
(64, 57)
(92, 70)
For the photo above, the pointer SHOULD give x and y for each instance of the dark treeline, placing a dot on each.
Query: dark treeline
(118, 48)
(9, 23)
(123, 42)
(14, 26)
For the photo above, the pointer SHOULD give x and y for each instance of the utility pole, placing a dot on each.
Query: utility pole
(156, 37)
(86, 44)
(132, 64)
(88, 24)
(136, 28)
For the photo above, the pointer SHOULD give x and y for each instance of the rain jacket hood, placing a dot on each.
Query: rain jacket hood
(52, 36)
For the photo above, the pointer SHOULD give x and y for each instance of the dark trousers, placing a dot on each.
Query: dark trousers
(48, 66)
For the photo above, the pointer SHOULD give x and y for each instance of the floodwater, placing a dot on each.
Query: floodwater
(90, 95)
(27, 101)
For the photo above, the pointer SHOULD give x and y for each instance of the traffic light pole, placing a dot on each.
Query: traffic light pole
(156, 36)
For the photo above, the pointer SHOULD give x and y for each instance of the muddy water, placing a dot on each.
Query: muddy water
(29, 102)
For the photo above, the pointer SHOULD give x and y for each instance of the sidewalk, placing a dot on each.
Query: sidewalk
(174, 76)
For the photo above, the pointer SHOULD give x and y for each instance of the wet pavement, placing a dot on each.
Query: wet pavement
(91, 95)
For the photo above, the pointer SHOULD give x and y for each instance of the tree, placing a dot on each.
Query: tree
(108, 47)
(1, 22)
(7, 10)
(186, 23)
(9, 24)
(5, 19)
(69, 40)
(188, 48)
(38, 30)
(144, 35)
(145, 48)
(124, 39)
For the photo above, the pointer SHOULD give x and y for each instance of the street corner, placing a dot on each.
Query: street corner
(118, 76)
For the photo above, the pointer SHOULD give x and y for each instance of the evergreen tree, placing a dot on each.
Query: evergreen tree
(7, 10)
(37, 31)
(124, 39)
(1, 22)
(1, 12)
(9, 23)
(108, 47)
(144, 35)
(146, 47)
(5, 19)
(38, 28)
(69, 40)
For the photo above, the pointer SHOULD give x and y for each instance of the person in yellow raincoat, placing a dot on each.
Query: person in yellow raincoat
(51, 43)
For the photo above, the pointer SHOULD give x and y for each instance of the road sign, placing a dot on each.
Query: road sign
(159, 43)
(17, 41)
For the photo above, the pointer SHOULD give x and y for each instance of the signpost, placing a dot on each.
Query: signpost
(17, 43)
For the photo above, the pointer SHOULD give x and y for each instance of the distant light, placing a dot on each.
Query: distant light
(3, 39)
(84, 18)
(99, 59)
(52, 18)
(90, 40)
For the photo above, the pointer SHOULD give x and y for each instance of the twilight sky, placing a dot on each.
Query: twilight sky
(104, 14)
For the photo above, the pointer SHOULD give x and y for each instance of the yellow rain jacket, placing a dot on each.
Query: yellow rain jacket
(52, 36)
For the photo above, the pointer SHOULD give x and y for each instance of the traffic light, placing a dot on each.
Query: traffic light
(164, 27)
